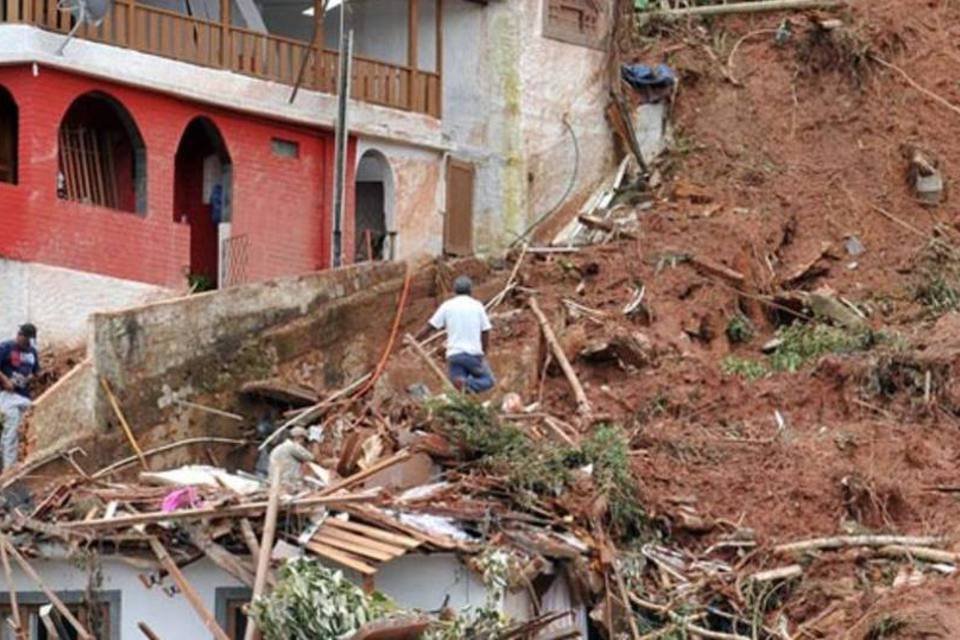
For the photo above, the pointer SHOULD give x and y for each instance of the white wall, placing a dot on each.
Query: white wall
(507, 90)
(169, 617)
(414, 197)
(59, 301)
(413, 581)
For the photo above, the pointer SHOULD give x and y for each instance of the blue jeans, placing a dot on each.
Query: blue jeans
(471, 373)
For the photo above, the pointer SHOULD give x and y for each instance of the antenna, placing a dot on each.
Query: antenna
(90, 12)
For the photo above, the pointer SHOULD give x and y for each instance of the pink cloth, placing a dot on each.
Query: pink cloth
(180, 498)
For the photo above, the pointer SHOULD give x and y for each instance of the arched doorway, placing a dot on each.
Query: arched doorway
(102, 158)
(8, 137)
(374, 238)
(202, 191)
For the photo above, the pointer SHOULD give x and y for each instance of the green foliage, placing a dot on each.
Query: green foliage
(543, 468)
(197, 282)
(608, 450)
(740, 329)
(751, 370)
(885, 627)
(312, 602)
(937, 292)
(802, 343)
(938, 287)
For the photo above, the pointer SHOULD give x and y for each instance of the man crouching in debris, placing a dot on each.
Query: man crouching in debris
(468, 338)
(19, 363)
(288, 456)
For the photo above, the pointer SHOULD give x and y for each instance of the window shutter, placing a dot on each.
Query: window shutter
(574, 21)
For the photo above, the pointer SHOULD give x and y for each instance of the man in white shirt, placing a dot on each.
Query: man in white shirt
(468, 336)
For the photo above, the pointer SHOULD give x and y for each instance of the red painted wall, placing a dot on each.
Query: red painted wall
(281, 204)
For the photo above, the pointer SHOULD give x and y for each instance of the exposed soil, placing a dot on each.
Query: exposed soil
(790, 163)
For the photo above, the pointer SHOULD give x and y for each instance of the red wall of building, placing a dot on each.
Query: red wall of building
(280, 204)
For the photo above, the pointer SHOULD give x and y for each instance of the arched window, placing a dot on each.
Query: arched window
(103, 160)
(202, 198)
(8, 137)
(373, 237)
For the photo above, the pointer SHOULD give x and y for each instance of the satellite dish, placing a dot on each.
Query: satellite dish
(90, 12)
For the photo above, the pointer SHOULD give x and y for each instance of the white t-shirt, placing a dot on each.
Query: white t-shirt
(465, 320)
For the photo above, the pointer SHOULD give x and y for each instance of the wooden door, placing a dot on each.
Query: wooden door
(8, 142)
(458, 224)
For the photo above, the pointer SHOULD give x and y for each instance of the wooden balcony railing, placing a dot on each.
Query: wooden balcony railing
(212, 44)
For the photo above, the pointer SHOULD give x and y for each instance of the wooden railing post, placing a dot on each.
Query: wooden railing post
(225, 48)
(439, 56)
(132, 24)
(413, 52)
(319, 6)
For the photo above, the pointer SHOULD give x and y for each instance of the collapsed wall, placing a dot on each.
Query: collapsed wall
(201, 349)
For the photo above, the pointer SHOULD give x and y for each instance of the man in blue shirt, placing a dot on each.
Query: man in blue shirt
(19, 363)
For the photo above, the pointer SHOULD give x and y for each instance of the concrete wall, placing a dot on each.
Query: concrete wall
(414, 203)
(507, 91)
(59, 301)
(280, 209)
(204, 347)
(414, 581)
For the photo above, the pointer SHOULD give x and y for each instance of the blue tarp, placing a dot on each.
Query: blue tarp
(642, 76)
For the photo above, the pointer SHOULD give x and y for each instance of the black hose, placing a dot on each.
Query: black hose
(566, 194)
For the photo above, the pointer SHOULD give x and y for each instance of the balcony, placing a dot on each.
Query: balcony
(222, 45)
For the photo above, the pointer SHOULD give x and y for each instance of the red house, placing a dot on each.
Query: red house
(191, 143)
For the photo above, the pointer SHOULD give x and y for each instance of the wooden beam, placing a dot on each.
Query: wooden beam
(427, 360)
(341, 557)
(147, 631)
(18, 629)
(225, 48)
(583, 404)
(413, 49)
(252, 508)
(123, 421)
(82, 633)
(266, 547)
(187, 589)
(748, 7)
(399, 456)
(374, 532)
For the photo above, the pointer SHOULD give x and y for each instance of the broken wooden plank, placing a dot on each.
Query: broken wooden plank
(341, 557)
(18, 628)
(609, 226)
(25, 566)
(406, 627)
(266, 548)
(746, 7)
(374, 533)
(427, 360)
(838, 542)
(355, 549)
(780, 573)
(399, 456)
(281, 392)
(219, 555)
(583, 404)
(211, 410)
(123, 421)
(163, 556)
(252, 508)
(709, 267)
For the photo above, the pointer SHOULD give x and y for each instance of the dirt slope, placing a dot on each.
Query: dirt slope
(789, 151)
